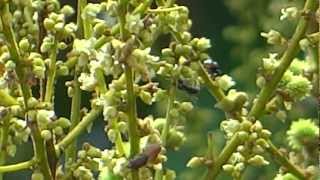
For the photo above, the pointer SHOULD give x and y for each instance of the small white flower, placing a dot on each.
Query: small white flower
(290, 13)
(88, 81)
(225, 82)
(271, 62)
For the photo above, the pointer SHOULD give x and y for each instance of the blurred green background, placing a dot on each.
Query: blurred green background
(233, 26)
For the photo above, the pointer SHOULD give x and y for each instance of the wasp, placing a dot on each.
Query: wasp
(149, 154)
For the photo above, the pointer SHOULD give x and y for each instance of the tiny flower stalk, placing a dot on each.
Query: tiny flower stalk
(80, 128)
(71, 151)
(40, 151)
(17, 167)
(51, 74)
(224, 156)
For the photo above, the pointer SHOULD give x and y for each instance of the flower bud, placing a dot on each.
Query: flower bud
(273, 37)
(243, 136)
(46, 135)
(228, 168)
(261, 81)
(167, 52)
(175, 139)
(203, 44)
(225, 82)
(67, 10)
(258, 160)
(58, 131)
(265, 133)
(63, 70)
(37, 176)
(48, 24)
(24, 45)
(63, 122)
(195, 162)
(186, 107)
(32, 102)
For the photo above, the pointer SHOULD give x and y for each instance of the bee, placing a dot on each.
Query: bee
(149, 154)
(189, 88)
(212, 67)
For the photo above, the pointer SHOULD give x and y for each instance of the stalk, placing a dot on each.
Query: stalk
(71, 151)
(166, 128)
(51, 74)
(4, 140)
(134, 138)
(40, 151)
(285, 162)
(17, 166)
(77, 130)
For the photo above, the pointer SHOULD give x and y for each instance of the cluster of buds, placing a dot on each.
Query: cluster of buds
(254, 141)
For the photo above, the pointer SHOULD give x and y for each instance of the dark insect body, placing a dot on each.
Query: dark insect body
(149, 154)
(185, 86)
(138, 161)
(212, 67)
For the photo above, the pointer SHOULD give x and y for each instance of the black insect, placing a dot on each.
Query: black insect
(189, 88)
(149, 154)
(212, 67)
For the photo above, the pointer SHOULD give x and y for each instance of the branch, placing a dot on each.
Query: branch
(285, 61)
(213, 88)
(224, 156)
(285, 162)
(51, 73)
(17, 167)
(81, 126)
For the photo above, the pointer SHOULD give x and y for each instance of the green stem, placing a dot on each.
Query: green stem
(132, 113)
(166, 128)
(134, 138)
(40, 151)
(210, 156)
(77, 130)
(213, 88)
(159, 10)
(285, 62)
(17, 166)
(285, 162)
(71, 151)
(172, 94)
(51, 74)
(4, 140)
(224, 156)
